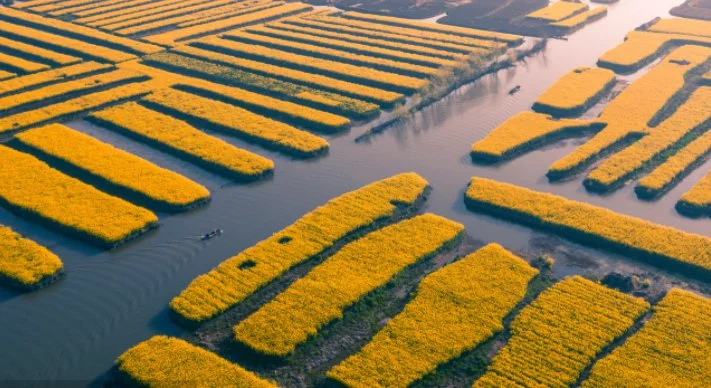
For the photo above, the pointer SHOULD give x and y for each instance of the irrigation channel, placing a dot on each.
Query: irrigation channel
(72, 331)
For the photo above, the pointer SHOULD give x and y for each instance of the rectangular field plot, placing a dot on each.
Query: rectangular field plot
(24, 264)
(37, 80)
(129, 175)
(558, 11)
(557, 336)
(37, 53)
(238, 277)
(19, 64)
(68, 204)
(672, 348)
(359, 268)
(575, 92)
(178, 137)
(162, 361)
(453, 311)
(657, 244)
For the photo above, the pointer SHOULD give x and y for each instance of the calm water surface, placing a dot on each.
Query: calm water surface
(112, 300)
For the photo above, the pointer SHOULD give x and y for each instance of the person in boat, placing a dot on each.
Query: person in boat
(212, 233)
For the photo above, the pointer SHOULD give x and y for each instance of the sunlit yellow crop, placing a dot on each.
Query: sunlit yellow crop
(144, 19)
(25, 263)
(67, 203)
(523, 132)
(697, 201)
(581, 19)
(558, 11)
(239, 121)
(670, 350)
(72, 107)
(50, 76)
(383, 97)
(660, 245)
(683, 26)
(455, 309)
(186, 141)
(116, 167)
(20, 64)
(628, 115)
(35, 51)
(171, 362)
(241, 275)
(172, 37)
(575, 92)
(256, 5)
(555, 337)
(4, 75)
(359, 268)
(338, 69)
(691, 116)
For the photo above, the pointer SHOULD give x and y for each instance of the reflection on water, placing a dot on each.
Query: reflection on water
(112, 300)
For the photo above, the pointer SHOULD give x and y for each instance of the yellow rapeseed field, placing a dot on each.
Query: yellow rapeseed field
(558, 11)
(581, 19)
(24, 262)
(118, 168)
(690, 116)
(367, 75)
(455, 309)
(6, 75)
(672, 349)
(256, 5)
(660, 245)
(89, 18)
(35, 51)
(238, 277)
(683, 26)
(641, 47)
(630, 112)
(575, 92)
(183, 139)
(697, 201)
(50, 76)
(190, 7)
(19, 64)
(239, 121)
(171, 362)
(67, 203)
(555, 337)
(72, 107)
(367, 93)
(525, 131)
(359, 268)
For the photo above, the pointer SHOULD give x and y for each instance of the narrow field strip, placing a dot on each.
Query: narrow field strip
(164, 361)
(303, 95)
(672, 348)
(359, 268)
(46, 8)
(110, 6)
(38, 53)
(440, 28)
(129, 175)
(318, 51)
(238, 122)
(240, 276)
(255, 6)
(524, 132)
(657, 244)
(73, 107)
(178, 137)
(68, 204)
(697, 201)
(581, 19)
(16, 63)
(62, 44)
(338, 44)
(144, 12)
(50, 76)
(330, 24)
(642, 47)
(690, 118)
(675, 168)
(575, 92)
(172, 37)
(93, 6)
(454, 310)
(75, 31)
(559, 334)
(6, 75)
(412, 32)
(683, 26)
(69, 89)
(215, 12)
(91, 20)
(558, 11)
(629, 114)
(345, 38)
(382, 97)
(345, 71)
(24, 264)
(185, 9)
(33, 3)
